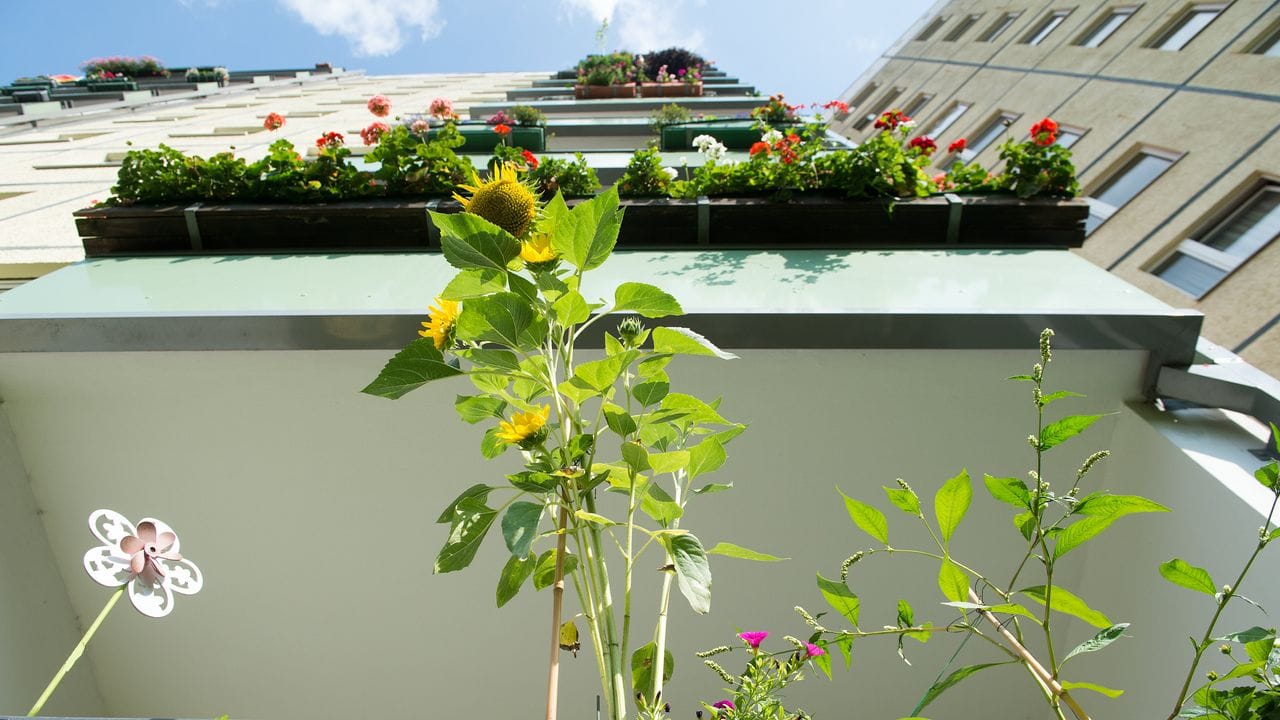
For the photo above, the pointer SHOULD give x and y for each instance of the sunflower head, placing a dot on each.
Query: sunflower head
(537, 253)
(525, 429)
(502, 200)
(439, 326)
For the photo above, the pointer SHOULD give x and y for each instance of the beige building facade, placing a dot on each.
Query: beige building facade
(1170, 109)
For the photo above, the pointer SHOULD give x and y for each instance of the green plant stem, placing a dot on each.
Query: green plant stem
(977, 575)
(1222, 604)
(618, 691)
(557, 600)
(76, 652)
(660, 634)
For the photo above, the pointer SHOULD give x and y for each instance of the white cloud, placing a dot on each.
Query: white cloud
(371, 28)
(635, 25)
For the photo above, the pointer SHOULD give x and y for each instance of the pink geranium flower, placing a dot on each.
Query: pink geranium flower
(380, 105)
(374, 132)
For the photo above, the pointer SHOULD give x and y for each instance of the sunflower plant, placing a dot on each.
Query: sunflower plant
(609, 455)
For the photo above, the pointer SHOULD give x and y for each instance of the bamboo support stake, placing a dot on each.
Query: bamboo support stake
(557, 601)
(1045, 676)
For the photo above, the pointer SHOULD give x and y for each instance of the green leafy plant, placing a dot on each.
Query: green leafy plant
(669, 114)
(756, 692)
(528, 116)
(572, 177)
(408, 165)
(611, 454)
(645, 175)
(1038, 165)
(1260, 700)
(1053, 520)
(617, 68)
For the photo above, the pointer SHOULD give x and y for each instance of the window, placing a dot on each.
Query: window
(934, 26)
(1046, 26)
(1201, 263)
(917, 103)
(1185, 27)
(962, 27)
(884, 104)
(998, 27)
(989, 133)
(1103, 29)
(1132, 178)
(1269, 43)
(940, 125)
(1068, 136)
(863, 95)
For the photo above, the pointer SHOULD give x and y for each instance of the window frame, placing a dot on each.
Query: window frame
(1043, 29)
(1171, 28)
(1195, 247)
(998, 118)
(998, 28)
(934, 131)
(882, 106)
(1084, 38)
(932, 28)
(917, 103)
(966, 23)
(1269, 39)
(1105, 210)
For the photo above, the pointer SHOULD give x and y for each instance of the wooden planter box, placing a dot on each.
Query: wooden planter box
(602, 92)
(733, 134)
(993, 221)
(675, 89)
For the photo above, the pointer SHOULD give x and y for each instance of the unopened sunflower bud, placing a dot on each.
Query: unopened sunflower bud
(1046, 353)
(713, 651)
(1087, 465)
(1224, 649)
(724, 674)
(629, 331)
(848, 563)
(1211, 675)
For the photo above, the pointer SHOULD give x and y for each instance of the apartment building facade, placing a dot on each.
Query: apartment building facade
(1169, 109)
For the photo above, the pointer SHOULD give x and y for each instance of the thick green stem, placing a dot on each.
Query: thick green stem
(557, 601)
(76, 652)
(660, 635)
(605, 601)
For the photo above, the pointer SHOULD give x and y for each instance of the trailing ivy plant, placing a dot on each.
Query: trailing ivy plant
(610, 454)
(1053, 518)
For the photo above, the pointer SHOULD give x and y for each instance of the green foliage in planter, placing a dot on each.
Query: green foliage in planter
(410, 166)
(616, 68)
(570, 177)
(879, 167)
(528, 116)
(645, 175)
(669, 114)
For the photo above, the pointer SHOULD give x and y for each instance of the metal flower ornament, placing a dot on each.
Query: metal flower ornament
(141, 559)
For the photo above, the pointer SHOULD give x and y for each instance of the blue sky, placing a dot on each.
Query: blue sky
(810, 51)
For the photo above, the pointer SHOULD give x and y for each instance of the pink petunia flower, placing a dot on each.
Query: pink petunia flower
(723, 705)
(813, 650)
(753, 638)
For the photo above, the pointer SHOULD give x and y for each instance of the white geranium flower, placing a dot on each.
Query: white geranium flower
(671, 173)
(710, 148)
(145, 558)
(771, 136)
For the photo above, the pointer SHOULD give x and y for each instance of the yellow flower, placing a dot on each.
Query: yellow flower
(502, 200)
(439, 326)
(525, 428)
(537, 249)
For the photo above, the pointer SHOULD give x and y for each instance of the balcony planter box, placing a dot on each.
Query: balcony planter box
(481, 137)
(675, 89)
(734, 134)
(111, 86)
(602, 92)
(403, 225)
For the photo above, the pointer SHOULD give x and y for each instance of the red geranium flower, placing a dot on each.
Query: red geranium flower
(329, 141)
(837, 105)
(957, 146)
(530, 159)
(502, 129)
(758, 148)
(274, 121)
(924, 143)
(1045, 132)
(891, 120)
(374, 132)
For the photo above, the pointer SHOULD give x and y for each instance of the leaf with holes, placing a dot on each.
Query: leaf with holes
(1097, 642)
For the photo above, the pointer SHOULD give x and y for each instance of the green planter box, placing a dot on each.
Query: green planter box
(482, 138)
(112, 86)
(734, 134)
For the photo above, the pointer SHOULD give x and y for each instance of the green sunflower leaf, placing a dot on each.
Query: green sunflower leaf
(646, 300)
(470, 241)
(411, 368)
